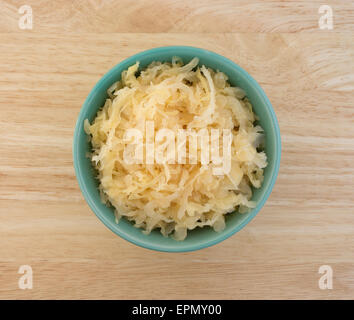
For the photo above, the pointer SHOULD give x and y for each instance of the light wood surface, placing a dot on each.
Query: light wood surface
(46, 74)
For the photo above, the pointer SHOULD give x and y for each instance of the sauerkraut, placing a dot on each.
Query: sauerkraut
(174, 197)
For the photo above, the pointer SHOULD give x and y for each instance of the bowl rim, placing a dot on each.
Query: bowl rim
(126, 235)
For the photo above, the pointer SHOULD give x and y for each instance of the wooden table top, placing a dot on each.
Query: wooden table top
(46, 74)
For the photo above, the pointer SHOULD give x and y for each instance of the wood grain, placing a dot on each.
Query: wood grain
(307, 222)
(178, 16)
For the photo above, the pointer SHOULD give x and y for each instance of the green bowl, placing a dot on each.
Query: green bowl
(200, 237)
